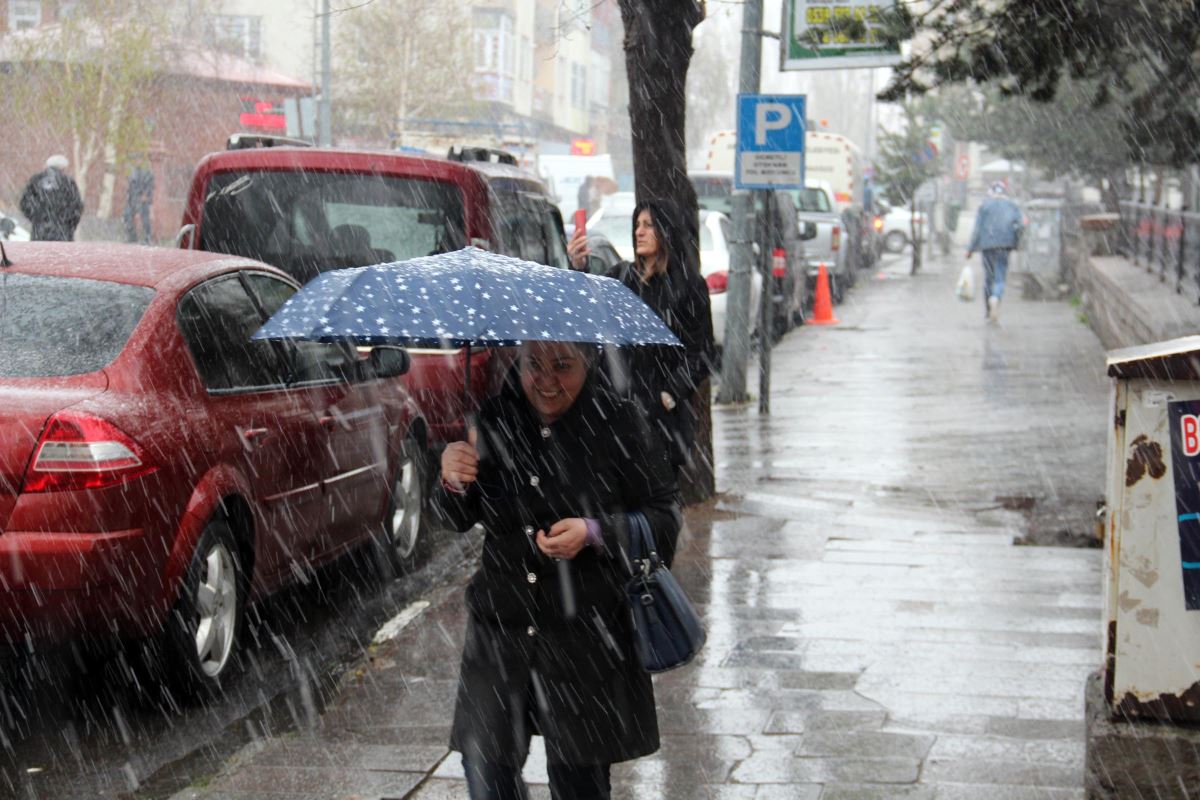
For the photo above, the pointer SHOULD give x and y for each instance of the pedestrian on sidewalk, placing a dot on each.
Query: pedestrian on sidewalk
(51, 202)
(662, 380)
(139, 197)
(997, 232)
(551, 468)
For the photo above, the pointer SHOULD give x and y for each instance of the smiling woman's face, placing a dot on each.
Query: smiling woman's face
(552, 376)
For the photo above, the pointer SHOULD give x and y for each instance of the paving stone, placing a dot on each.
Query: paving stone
(1036, 728)
(862, 791)
(269, 781)
(998, 748)
(770, 767)
(964, 791)
(1015, 773)
(411, 758)
(843, 681)
(857, 743)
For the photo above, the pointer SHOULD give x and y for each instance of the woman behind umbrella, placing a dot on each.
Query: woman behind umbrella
(553, 466)
(662, 380)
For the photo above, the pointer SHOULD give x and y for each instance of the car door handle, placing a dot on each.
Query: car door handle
(252, 435)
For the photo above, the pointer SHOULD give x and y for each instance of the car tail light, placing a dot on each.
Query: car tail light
(77, 451)
(878, 223)
(717, 282)
(835, 238)
(779, 263)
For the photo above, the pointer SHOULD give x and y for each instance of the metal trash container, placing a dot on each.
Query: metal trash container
(1041, 246)
(1152, 558)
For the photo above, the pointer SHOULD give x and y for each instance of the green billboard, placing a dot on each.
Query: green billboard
(829, 34)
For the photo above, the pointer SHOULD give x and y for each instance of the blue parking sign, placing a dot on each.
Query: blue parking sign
(770, 141)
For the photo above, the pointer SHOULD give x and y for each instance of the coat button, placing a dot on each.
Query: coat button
(545, 433)
(529, 530)
(531, 631)
(531, 577)
(534, 480)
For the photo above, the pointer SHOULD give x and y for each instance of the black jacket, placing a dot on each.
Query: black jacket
(52, 204)
(541, 657)
(643, 373)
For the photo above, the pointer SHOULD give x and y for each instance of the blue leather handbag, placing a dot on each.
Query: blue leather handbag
(667, 629)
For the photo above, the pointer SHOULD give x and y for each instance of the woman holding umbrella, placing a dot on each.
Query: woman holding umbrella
(551, 468)
(662, 380)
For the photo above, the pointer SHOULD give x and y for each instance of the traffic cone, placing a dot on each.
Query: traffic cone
(822, 302)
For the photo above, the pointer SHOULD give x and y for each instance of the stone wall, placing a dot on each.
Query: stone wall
(1125, 304)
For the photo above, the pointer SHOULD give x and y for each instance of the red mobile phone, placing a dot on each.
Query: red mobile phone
(581, 220)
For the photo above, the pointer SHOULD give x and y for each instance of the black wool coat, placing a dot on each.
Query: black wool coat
(549, 646)
(680, 298)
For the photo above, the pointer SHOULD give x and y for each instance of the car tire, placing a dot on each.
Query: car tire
(405, 533)
(895, 242)
(203, 629)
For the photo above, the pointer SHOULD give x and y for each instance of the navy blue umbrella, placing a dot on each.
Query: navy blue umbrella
(470, 297)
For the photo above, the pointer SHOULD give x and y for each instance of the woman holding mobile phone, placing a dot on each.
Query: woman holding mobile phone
(662, 380)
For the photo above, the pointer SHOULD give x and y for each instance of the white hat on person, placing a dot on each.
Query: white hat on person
(57, 161)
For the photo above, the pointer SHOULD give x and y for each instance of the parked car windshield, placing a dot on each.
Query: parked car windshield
(310, 222)
(49, 326)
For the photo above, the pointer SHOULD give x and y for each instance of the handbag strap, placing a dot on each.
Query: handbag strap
(641, 540)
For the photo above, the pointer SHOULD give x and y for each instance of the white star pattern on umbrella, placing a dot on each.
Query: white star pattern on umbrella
(460, 295)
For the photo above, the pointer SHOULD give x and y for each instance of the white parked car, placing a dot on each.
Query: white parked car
(614, 223)
(11, 230)
(897, 228)
(715, 232)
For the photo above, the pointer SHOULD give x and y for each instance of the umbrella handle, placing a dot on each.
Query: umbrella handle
(466, 405)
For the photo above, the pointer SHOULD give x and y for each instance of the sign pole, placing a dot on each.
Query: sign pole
(741, 257)
(768, 235)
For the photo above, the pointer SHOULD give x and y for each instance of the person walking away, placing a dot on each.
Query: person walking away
(662, 380)
(997, 232)
(551, 468)
(51, 202)
(139, 197)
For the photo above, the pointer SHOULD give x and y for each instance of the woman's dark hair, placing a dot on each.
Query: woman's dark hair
(668, 229)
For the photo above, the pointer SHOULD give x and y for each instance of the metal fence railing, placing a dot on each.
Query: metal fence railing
(1165, 243)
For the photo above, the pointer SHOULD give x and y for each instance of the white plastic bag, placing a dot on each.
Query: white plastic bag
(966, 284)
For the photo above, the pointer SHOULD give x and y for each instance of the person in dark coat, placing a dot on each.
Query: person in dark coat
(551, 468)
(139, 197)
(51, 202)
(662, 380)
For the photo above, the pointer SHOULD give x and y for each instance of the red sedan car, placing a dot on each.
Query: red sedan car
(158, 469)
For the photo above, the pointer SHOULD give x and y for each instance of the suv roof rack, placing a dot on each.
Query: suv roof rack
(481, 154)
(249, 141)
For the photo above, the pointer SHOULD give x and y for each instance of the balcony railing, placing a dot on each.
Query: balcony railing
(1165, 243)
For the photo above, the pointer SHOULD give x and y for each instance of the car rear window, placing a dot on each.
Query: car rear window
(309, 222)
(811, 200)
(715, 194)
(54, 326)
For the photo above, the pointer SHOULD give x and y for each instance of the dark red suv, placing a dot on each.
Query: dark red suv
(155, 459)
(308, 209)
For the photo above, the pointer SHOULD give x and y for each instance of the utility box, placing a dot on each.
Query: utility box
(1152, 558)
(1041, 244)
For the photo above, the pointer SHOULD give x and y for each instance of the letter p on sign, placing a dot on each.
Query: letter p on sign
(770, 117)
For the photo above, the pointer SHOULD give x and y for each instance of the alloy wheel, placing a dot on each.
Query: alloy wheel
(216, 604)
(405, 524)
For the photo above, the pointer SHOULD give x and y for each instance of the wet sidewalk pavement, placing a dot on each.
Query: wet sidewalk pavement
(874, 632)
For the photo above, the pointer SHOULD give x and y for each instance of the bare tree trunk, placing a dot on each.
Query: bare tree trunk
(658, 50)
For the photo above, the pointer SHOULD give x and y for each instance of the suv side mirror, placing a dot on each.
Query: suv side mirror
(808, 230)
(389, 361)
